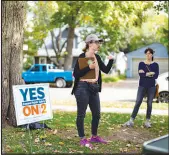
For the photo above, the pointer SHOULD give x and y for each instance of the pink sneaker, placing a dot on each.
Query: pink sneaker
(85, 142)
(97, 139)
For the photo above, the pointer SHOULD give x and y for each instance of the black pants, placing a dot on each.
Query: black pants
(83, 98)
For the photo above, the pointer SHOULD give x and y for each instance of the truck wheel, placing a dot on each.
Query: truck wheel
(60, 83)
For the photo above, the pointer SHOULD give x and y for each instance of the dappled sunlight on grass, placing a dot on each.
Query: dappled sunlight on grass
(63, 137)
(115, 104)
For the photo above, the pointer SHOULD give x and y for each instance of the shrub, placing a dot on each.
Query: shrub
(110, 79)
(122, 76)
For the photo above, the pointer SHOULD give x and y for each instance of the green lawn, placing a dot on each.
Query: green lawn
(161, 106)
(63, 137)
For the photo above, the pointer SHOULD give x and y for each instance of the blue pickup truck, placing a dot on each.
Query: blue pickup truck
(48, 73)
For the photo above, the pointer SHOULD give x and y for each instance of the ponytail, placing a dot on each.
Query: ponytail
(152, 58)
(86, 47)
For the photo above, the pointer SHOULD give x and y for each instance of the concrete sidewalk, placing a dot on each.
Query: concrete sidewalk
(113, 110)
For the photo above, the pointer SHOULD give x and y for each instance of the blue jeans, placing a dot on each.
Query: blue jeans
(140, 95)
(83, 98)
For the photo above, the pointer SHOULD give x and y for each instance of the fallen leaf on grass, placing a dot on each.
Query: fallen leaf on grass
(88, 146)
(110, 128)
(137, 146)
(55, 151)
(43, 136)
(48, 144)
(9, 148)
(128, 145)
(72, 151)
(36, 140)
(61, 143)
(69, 137)
(123, 150)
(55, 132)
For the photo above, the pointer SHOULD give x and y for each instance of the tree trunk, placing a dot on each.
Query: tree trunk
(13, 16)
(68, 57)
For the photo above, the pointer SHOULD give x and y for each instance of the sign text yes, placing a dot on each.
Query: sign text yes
(32, 101)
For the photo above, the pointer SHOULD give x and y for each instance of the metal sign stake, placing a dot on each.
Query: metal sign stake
(30, 144)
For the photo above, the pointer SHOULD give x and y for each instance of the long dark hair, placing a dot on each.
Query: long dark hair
(151, 51)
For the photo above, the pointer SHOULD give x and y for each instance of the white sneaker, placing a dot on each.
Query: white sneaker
(128, 124)
(147, 124)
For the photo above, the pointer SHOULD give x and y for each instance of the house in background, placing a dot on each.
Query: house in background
(120, 63)
(78, 45)
(133, 59)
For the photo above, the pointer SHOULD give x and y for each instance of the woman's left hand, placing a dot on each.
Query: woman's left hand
(110, 57)
(152, 73)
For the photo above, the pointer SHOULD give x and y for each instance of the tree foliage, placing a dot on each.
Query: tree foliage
(41, 29)
(161, 6)
(74, 14)
(125, 26)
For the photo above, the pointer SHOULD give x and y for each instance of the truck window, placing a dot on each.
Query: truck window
(35, 69)
(52, 67)
(43, 68)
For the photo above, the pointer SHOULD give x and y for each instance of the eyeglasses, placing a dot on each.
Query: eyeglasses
(96, 42)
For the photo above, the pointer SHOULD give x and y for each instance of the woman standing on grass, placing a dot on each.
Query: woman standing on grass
(148, 72)
(84, 95)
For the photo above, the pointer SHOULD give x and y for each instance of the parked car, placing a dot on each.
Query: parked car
(48, 73)
(163, 80)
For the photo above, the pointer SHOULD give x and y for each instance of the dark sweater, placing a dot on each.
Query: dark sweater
(77, 73)
(145, 81)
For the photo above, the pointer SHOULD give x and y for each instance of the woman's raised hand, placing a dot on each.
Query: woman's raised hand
(110, 57)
